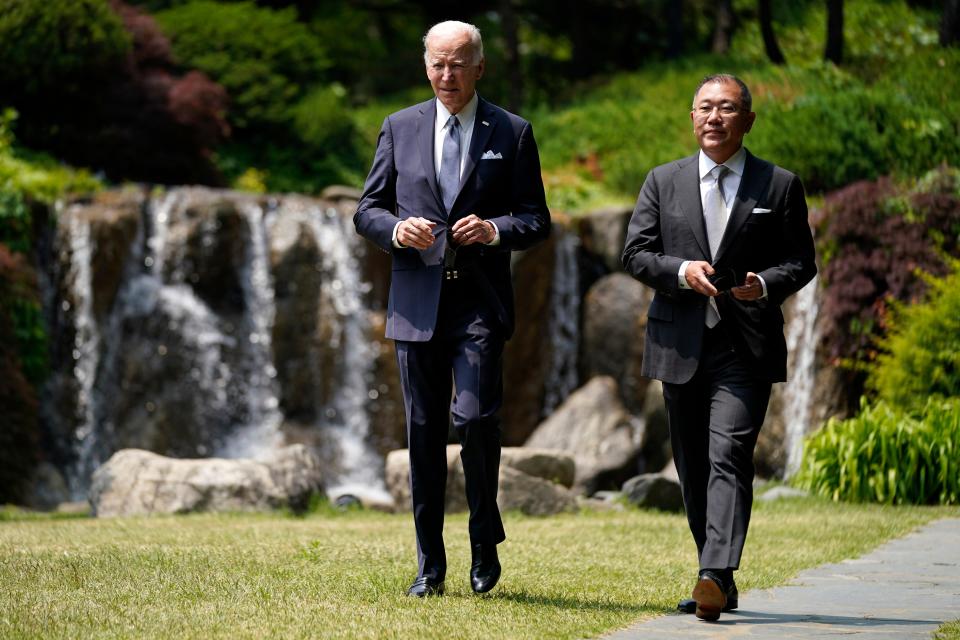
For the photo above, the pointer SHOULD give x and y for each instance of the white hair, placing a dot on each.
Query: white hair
(455, 26)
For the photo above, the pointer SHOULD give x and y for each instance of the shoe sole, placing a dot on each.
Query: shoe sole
(710, 600)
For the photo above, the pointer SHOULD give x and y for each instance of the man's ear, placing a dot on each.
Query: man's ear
(480, 67)
(751, 117)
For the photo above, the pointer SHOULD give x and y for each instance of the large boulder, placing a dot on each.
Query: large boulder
(654, 491)
(137, 482)
(532, 496)
(548, 467)
(593, 426)
(614, 322)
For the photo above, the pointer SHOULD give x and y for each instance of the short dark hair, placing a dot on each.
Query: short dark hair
(746, 100)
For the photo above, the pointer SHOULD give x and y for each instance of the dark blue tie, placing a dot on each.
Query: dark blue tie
(450, 163)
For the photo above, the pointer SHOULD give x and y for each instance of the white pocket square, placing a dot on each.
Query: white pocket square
(490, 155)
(759, 210)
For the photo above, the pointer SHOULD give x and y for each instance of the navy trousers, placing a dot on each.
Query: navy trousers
(714, 423)
(464, 356)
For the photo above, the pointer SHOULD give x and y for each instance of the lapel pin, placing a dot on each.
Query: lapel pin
(485, 123)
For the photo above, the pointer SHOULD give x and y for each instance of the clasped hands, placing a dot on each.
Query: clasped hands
(418, 232)
(697, 275)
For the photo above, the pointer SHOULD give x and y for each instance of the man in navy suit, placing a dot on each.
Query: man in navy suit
(722, 236)
(455, 186)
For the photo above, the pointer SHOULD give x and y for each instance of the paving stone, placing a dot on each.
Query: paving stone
(904, 589)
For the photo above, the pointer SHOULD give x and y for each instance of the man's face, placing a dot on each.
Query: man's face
(719, 120)
(451, 69)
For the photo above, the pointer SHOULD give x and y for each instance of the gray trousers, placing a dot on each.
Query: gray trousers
(714, 422)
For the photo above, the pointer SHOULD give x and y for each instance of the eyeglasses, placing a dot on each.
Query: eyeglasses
(726, 110)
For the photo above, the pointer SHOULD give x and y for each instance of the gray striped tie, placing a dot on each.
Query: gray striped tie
(450, 164)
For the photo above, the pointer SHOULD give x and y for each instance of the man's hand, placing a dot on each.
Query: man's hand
(416, 233)
(751, 289)
(472, 230)
(696, 274)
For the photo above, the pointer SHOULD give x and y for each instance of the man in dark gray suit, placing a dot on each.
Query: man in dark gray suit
(723, 238)
(455, 186)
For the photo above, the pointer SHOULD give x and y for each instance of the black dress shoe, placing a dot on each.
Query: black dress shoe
(485, 568)
(689, 605)
(424, 586)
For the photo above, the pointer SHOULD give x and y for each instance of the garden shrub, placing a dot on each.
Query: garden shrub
(264, 58)
(872, 240)
(888, 456)
(18, 403)
(920, 355)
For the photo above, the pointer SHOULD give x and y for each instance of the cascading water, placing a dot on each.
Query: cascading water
(564, 323)
(802, 336)
(85, 353)
(346, 415)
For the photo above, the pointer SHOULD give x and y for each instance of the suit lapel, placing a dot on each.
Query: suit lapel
(756, 176)
(483, 125)
(686, 182)
(425, 126)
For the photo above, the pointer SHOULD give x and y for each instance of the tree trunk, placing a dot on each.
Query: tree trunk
(511, 56)
(674, 29)
(834, 49)
(769, 37)
(723, 28)
(950, 24)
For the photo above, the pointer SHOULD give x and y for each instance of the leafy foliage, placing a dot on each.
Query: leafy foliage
(19, 308)
(920, 355)
(874, 237)
(265, 59)
(104, 95)
(885, 455)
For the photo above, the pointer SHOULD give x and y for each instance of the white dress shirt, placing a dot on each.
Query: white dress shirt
(467, 116)
(731, 184)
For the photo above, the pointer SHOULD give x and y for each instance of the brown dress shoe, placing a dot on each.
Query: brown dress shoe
(711, 596)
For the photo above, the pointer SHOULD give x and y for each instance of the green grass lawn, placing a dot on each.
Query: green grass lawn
(344, 574)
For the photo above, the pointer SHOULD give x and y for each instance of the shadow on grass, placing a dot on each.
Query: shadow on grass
(579, 604)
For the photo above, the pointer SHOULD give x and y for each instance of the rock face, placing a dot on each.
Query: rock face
(136, 482)
(594, 428)
(534, 482)
(654, 491)
(614, 321)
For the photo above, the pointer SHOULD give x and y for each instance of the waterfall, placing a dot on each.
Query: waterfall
(177, 352)
(561, 379)
(345, 416)
(261, 434)
(802, 336)
(86, 350)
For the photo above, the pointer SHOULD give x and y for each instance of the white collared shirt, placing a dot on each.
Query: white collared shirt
(731, 185)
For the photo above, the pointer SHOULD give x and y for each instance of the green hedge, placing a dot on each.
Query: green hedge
(888, 456)
(921, 353)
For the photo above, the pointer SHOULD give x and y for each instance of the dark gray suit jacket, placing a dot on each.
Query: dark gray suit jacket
(501, 182)
(667, 227)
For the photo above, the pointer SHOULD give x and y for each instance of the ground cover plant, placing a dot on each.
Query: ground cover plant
(344, 574)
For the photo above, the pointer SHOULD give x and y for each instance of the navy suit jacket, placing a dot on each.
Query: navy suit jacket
(506, 189)
(767, 233)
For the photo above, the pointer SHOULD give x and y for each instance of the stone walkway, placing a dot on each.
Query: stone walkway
(904, 589)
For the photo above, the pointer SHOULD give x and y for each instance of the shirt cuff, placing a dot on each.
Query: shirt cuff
(496, 234)
(396, 243)
(682, 279)
(764, 285)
